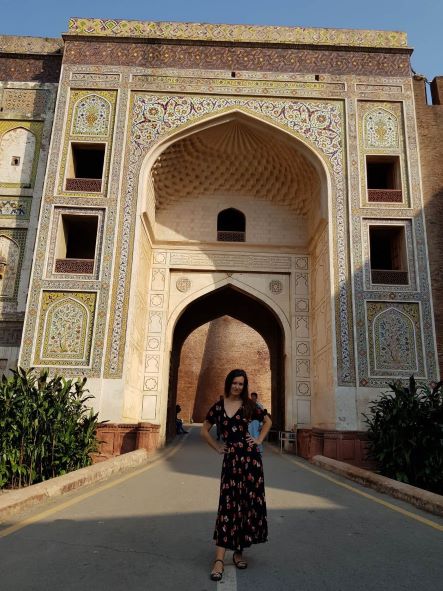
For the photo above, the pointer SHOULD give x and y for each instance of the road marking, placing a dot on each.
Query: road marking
(409, 514)
(229, 580)
(39, 516)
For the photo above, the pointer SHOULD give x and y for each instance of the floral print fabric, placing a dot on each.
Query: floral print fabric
(241, 518)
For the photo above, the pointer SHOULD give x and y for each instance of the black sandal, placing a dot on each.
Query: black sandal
(217, 575)
(240, 563)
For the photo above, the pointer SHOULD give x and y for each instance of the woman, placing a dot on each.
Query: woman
(241, 518)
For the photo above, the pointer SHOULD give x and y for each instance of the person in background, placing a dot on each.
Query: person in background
(255, 426)
(178, 422)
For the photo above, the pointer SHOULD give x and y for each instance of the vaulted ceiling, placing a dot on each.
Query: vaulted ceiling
(236, 157)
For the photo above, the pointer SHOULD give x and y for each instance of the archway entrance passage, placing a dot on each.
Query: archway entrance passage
(229, 302)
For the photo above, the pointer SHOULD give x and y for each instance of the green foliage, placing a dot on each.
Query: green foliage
(45, 428)
(406, 434)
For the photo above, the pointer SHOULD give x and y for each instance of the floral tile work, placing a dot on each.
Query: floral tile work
(395, 340)
(64, 334)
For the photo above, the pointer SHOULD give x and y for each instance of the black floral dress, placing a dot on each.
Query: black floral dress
(241, 518)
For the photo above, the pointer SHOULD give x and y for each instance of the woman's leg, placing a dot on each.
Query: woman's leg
(219, 555)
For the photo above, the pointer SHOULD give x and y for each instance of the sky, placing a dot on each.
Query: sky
(422, 20)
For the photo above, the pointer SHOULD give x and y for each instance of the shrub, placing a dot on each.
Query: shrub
(45, 428)
(406, 434)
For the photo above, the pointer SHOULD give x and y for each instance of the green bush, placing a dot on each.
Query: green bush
(406, 434)
(45, 428)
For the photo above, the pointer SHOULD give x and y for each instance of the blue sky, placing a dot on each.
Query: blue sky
(422, 20)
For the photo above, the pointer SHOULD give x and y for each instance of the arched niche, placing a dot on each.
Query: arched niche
(9, 260)
(17, 151)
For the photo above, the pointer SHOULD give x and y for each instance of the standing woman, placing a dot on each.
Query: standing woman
(241, 518)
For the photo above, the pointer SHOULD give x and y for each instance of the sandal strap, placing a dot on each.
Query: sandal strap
(219, 560)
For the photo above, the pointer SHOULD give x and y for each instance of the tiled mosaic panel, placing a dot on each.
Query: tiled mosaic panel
(395, 339)
(24, 100)
(15, 207)
(64, 334)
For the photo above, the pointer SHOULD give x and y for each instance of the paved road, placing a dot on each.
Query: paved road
(152, 530)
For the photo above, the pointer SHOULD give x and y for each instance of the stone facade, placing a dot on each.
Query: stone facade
(29, 76)
(158, 128)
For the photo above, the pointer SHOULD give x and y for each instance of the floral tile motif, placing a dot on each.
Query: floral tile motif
(64, 335)
(395, 342)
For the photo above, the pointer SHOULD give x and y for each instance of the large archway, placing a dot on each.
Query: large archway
(231, 302)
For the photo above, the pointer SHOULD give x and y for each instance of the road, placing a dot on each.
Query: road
(152, 530)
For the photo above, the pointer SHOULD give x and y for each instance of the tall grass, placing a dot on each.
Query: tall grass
(46, 428)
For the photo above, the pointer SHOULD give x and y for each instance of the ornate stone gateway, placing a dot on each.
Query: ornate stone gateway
(274, 180)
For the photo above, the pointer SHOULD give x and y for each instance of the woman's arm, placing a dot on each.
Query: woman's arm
(219, 447)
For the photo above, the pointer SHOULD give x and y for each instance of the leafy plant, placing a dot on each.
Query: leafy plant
(406, 434)
(45, 427)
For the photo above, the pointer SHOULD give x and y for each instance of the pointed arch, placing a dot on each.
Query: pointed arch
(231, 298)
(147, 199)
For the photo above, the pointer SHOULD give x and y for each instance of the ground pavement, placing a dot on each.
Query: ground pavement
(151, 529)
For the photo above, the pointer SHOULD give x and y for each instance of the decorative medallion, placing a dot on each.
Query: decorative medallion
(275, 286)
(183, 284)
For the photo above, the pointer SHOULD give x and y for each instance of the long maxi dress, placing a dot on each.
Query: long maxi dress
(241, 518)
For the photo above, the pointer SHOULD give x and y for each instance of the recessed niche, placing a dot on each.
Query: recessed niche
(388, 256)
(76, 244)
(383, 179)
(231, 225)
(85, 167)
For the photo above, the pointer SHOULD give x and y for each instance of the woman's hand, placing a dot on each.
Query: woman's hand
(252, 440)
(222, 448)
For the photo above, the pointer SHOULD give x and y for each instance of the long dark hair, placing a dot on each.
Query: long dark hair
(248, 405)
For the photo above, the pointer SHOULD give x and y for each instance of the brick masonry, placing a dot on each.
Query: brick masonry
(209, 354)
(430, 132)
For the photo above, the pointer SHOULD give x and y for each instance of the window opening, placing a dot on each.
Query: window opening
(383, 179)
(231, 225)
(388, 255)
(85, 169)
(76, 244)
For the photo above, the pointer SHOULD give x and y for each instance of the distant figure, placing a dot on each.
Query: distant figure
(178, 422)
(255, 426)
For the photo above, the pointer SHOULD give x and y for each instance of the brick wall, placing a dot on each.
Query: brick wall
(430, 132)
(209, 353)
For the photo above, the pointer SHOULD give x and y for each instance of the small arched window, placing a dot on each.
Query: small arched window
(231, 225)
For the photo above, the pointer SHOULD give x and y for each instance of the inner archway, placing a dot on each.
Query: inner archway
(229, 302)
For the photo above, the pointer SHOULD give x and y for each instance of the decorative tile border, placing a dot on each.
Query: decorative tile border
(235, 33)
